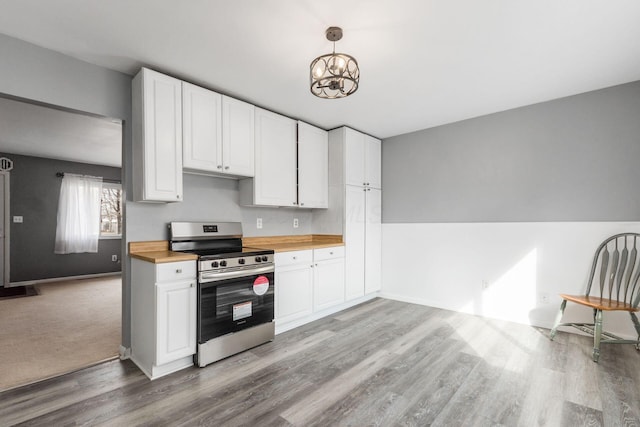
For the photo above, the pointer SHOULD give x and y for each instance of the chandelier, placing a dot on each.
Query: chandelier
(334, 75)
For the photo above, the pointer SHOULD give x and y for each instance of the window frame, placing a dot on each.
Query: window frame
(118, 186)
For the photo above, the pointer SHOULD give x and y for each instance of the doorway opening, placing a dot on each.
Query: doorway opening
(66, 313)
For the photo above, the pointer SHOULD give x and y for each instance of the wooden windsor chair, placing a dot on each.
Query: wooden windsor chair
(612, 286)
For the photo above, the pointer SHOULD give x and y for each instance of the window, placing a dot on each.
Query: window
(111, 211)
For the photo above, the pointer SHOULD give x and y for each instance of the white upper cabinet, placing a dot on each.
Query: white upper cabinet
(313, 167)
(157, 137)
(362, 159)
(275, 162)
(355, 157)
(238, 136)
(373, 164)
(218, 133)
(202, 128)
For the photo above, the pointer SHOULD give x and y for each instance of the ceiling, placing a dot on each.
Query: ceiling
(35, 130)
(423, 62)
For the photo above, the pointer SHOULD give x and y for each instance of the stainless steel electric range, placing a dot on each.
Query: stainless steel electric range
(235, 288)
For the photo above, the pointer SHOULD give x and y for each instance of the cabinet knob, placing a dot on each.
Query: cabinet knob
(301, 204)
(177, 196)
(219, 166)
(226, 167)
(178, 270)
(330, 253)
(364, 183)
(294, 203)
(192, 284)
(295, 257)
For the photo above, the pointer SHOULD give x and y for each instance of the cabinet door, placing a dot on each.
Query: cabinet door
(238, 136)
(162, 137)
(328, 283)
(202, 129)
(354, 235)
(294, 292)
(275, 178)
(175, 320)
(373, 241)
(373, 166)
(355, 157)
(313, 167)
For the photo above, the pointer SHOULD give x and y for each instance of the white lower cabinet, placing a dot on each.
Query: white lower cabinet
(309, 285)
(294, 285)
(163, 316)
(328, 277)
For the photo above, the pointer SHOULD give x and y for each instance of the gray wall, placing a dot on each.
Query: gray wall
(35, 190)
(571, 159)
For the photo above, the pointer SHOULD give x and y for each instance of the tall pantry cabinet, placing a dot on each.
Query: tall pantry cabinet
(355, 192)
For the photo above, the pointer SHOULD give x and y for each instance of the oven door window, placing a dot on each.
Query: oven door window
(235, 304)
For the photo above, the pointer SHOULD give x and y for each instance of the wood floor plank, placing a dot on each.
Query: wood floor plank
(581, 373)
(383, 363)
(543, 402)
(579, 415)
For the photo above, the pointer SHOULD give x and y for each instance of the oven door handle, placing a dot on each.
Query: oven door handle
(206, 278)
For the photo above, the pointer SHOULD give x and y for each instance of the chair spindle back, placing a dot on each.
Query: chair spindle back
(616, 269)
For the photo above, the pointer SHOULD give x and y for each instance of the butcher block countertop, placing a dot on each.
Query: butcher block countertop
(293, 243)
(157, 252)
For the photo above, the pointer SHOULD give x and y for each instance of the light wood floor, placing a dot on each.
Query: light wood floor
(381, 363)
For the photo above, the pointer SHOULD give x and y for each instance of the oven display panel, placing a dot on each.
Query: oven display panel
(210, 228)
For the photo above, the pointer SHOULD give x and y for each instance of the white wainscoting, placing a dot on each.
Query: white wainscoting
(509, 271)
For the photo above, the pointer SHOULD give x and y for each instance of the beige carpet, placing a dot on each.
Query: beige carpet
(70, 325)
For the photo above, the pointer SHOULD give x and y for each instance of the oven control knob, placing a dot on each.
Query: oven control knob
(214, 264)
(241, 261)
(223, 263)
(258, 259)
(264, 258)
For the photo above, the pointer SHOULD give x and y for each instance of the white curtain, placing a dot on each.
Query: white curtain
(78, 227)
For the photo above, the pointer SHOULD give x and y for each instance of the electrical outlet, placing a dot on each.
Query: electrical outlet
(114, 258)
(259, 223)
(544, 298)
(295, 223)
(17, 219)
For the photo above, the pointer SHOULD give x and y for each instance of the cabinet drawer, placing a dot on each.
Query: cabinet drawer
(174, 271)
(328, 253)
(295, 257)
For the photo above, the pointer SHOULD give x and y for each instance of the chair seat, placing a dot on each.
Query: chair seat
(600, 303)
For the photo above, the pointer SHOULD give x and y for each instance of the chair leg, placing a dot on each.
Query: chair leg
(634, 319)
(597, 333)
(558, 319)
